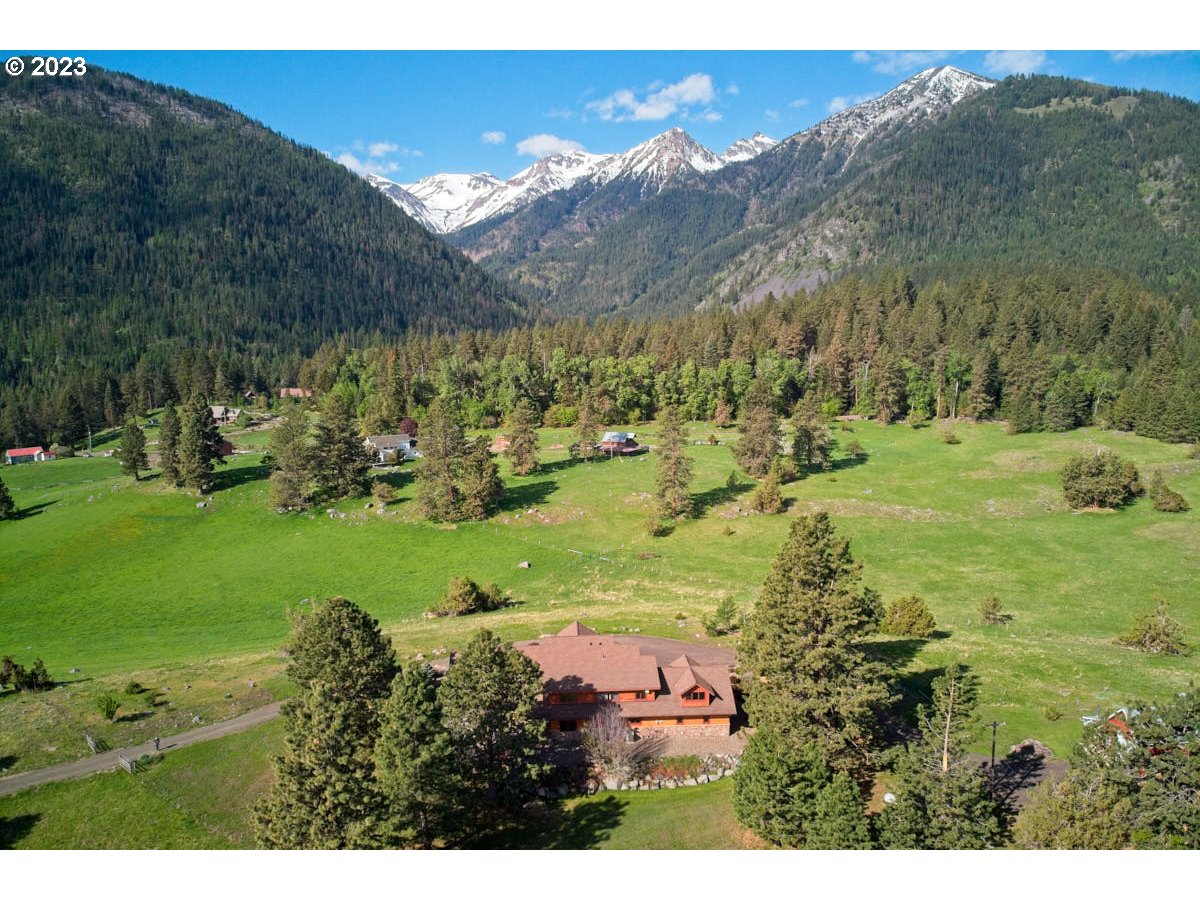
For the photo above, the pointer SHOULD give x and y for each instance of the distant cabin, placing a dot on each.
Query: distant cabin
(620, 443)
(500, 444)
(294, 393)
(392, 447)
(26, 455)
(224, 415)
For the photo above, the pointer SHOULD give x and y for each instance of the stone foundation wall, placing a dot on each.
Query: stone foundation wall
(672, 731)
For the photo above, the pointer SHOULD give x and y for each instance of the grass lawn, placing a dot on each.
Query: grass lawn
(197, 798)
(685, 818)
(116, 578)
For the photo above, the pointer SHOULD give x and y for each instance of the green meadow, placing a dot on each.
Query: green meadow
(126, 581)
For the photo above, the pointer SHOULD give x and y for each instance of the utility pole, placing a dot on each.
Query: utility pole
(992, 771)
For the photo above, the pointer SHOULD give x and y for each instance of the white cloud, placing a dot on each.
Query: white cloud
(771, 115)
(897, 62)
(377, 157)
(1012, 62)
(659, 101)
(493, 137)
(837, 104)
(382, 148)
(733, 90)
(1126, 55)
(540, 145)
(366, 166)
(799, 102)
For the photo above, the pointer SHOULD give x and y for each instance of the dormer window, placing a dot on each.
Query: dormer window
(697, 694)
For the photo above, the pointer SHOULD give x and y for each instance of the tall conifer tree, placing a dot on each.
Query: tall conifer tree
(442, 446)
(674, 470)
(802, 650)
(341, 464)
(415, 761)
(522, 449)
(168, 445)
(133, 450)
(199, 446)
(291, 461)
(481, 486)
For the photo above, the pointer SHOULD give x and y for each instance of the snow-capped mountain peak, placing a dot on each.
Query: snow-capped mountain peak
(661, 158)
(928, 93)
(748, 148)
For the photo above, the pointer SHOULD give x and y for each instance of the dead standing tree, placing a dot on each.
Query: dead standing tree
(613, 749)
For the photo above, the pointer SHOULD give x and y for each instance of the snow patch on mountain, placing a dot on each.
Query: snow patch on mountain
(747, 148)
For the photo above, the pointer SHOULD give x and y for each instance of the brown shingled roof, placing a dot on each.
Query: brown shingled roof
(575, 629)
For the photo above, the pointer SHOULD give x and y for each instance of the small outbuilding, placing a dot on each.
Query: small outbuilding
(620, 443)
(22, 455)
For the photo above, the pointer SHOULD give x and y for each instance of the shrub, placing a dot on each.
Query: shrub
(1156, 632)
(382, 492)
(785, 469)
(917, 418)
(724, 619)
(464, 597)
(560, 416)
(35, 678)
(908, 617)
(1099, 480)
(732, 481)
(992, 610)
(656, 526)
(766, 497)
(1165, 499)
(1052, 713)
(949, 437)
(855, 450)
(688, 766)
(107, 705)
(134, 687)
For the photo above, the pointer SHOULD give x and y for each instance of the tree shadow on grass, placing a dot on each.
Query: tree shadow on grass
(522, 496)
(560, 465)
(135, 716)
(231, 478)
(706, 500)
(584, 826)
(8, 761)
(35, 510)
(847, 462)
(15, 829)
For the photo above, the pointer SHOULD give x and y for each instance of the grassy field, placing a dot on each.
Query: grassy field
(132, 581)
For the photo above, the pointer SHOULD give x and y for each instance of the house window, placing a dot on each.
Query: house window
(695, 695)
(566, 698)
(608, 695)
(568, 725)
(679, 721)
(640, 695)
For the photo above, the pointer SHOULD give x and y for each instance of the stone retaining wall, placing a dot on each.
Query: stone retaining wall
(715, 768)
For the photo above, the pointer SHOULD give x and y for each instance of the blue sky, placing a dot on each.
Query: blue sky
(407, 114)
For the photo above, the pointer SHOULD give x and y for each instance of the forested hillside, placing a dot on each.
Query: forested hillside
(1035, 172)
(139, 219)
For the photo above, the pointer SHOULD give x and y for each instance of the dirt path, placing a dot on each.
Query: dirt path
(102, 762)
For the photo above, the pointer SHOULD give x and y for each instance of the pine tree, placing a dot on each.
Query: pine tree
(340, 463)
(291, 460)
(415, 761)
(759, 437)
(489, 701)
(132, 452)
(168, 445)
(325, 796)
(776, 786)
(523, 439)
(839, 821)
(8, 509)
(802, 651)
(340, 645)
(674, 467)
(481, 486)
(442, 445)
(199, 446)
(812, 445)
(943, 800)
(587, 429)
